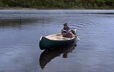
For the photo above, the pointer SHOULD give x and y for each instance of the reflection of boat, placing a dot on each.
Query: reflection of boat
(47, 55)
(54, 40)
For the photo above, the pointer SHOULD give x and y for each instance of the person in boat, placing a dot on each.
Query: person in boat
(66, 31)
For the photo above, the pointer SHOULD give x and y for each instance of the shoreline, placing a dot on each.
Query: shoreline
(22, 8)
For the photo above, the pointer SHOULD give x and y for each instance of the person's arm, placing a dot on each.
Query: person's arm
(69, 30)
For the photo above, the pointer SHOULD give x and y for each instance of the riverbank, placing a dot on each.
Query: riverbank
(59, 4)
(80, 8)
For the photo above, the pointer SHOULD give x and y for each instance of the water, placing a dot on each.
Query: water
(20, 31)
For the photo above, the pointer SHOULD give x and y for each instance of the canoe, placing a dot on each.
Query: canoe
(55, 40)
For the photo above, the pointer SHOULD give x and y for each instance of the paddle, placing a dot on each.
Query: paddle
(76, 32)
(78, 38)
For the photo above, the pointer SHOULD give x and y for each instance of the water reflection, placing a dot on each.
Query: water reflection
(47, 55)
(15, 22)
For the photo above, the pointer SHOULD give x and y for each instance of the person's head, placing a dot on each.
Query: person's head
(65, 24)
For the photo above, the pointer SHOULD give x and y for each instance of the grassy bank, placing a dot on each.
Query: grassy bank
(58, 4)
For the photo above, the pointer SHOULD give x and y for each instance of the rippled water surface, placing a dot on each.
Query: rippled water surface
(20, 31)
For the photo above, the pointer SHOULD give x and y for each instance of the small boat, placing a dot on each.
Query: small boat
(55, 40)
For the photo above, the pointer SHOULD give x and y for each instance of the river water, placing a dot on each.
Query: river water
(20, 31)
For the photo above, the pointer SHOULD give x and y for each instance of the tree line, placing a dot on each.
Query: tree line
(61, 4)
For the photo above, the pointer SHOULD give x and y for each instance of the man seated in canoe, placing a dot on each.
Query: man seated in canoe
(67, 32)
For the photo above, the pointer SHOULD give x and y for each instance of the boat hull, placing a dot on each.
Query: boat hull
(46, 43)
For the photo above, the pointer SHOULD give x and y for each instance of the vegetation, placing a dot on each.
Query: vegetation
(61, 4)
